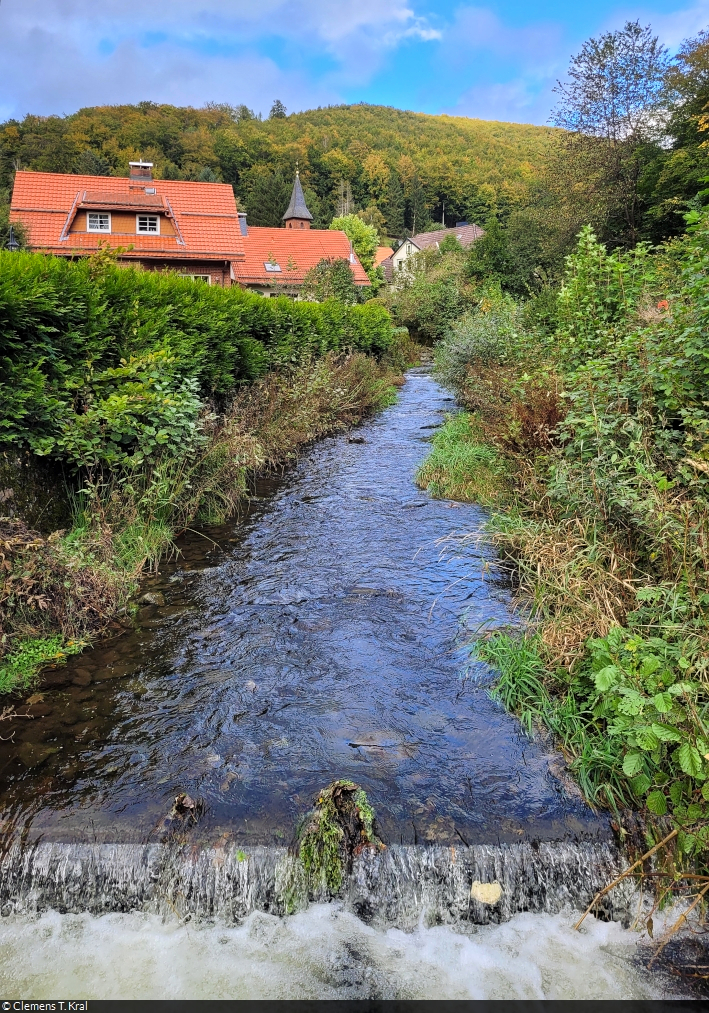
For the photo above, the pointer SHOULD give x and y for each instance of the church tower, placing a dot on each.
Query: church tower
(297, 216)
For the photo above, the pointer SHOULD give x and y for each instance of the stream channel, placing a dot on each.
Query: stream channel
(320, 635)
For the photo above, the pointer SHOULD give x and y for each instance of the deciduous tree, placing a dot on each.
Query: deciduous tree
(612, 105)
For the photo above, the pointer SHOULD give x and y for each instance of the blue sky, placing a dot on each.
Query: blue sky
(495, 61)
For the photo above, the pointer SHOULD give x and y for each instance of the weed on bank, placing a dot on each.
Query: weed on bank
(596, 427)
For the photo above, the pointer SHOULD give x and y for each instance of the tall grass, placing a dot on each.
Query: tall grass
(462, 465)
(603, 432)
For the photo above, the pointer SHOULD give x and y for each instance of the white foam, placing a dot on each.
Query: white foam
(322, 953)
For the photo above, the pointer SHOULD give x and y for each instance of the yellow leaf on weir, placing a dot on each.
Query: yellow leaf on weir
(486, 893)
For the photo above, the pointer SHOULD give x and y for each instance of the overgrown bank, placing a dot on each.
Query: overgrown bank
(591, 432)
(156, 398)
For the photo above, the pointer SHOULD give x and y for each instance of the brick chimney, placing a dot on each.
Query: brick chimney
(141, 172)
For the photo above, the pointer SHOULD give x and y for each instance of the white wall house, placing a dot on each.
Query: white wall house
(396, 264)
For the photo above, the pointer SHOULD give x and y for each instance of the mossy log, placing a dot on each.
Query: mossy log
(340, 826)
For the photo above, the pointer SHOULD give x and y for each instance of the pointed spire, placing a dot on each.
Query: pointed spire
(297, 207)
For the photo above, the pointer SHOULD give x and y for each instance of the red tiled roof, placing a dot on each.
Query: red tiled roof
(383, 252)
(106, 198)
(301, 248)
(204, 214)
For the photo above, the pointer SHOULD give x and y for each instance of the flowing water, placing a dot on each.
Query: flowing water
(321, 635)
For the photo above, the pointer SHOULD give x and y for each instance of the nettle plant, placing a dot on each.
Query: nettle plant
(651, 696)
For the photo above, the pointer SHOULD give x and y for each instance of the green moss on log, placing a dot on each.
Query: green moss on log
(341, 825)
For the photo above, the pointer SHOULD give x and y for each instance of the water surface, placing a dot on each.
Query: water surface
(322, 637)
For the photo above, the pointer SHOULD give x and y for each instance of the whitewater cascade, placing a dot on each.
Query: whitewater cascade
(401, 887)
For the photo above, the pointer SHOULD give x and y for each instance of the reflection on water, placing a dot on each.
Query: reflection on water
(321, 639)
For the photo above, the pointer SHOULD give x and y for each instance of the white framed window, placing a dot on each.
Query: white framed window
(205, 279)
(98, 221)
(271, 266)
(147, 224)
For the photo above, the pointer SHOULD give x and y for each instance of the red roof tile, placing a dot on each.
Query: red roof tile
(204, 214)
(383, 252)
(295, 251)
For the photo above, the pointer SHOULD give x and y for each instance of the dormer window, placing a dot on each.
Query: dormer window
(147, 225)
(98, 221)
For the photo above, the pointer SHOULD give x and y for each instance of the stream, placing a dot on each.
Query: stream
(320, 635)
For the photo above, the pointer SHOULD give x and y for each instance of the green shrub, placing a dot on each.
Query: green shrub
(490, 336)
(104, 364)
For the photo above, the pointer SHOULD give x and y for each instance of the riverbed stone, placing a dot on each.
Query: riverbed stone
(34, 754)
(114, 672)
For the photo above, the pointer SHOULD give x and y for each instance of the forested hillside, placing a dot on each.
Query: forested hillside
(400, 166)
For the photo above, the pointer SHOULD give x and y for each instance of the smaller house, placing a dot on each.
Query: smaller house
(276, 261)
(465, 234)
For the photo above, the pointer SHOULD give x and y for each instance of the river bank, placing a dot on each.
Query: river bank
(67, 589)
(584, 431)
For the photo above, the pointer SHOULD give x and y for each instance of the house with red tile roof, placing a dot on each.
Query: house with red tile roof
(191, 228)
(277, 260)
(160, 224)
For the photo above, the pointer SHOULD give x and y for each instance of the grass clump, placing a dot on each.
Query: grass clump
(462, 465)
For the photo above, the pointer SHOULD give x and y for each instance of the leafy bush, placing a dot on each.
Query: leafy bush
(364, 238)
(600, 294)
(490, 335)
(331, 278)
(631, 720)
(122, 415)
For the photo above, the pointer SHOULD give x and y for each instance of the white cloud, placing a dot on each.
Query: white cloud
(57, 55)
(672, 28)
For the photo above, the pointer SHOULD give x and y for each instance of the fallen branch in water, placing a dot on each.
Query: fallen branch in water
(607, 889)
(682, 918)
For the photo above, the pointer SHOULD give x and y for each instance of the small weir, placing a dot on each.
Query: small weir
(402, 887)
(321, 636)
